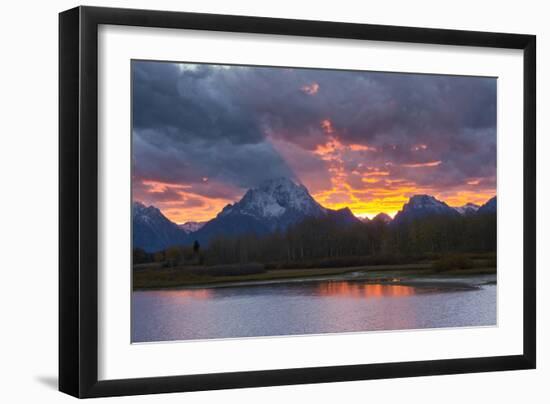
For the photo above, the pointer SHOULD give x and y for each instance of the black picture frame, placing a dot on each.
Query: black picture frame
(78, 201)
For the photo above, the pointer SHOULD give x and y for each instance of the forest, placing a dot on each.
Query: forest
(325, 243)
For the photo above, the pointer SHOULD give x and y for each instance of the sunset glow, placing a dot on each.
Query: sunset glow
(177, 202)
(427, 164)
(203, 136)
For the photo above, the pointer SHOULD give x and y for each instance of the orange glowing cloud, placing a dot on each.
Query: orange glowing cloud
(428, 164)
(376, 173)
(419, 147)
(358, 180)
(178, 202)
(157, 187)
(342, 193)
(363, 189)
(206, 209)
(370, 180)
(355, 176)
(310, 89)
(326, 125)
(361, 147)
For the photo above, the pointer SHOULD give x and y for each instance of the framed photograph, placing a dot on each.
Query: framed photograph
(251, 201)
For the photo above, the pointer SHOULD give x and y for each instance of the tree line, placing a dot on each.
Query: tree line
(325, 242)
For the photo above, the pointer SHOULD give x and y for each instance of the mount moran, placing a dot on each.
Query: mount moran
(273, 206)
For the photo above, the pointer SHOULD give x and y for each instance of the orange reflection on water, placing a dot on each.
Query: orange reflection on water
(353, 289)
(177, 295)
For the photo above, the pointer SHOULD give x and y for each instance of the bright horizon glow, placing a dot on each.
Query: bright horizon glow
(373, 215)
(367, 209)
(192, 207)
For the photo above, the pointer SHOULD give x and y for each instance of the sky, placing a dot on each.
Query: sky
(203, 134)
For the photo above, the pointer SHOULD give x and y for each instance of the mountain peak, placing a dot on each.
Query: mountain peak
(420, 206)
(284, 190)
(467, 209)
(140, 209)
(273, 205)
(153, 231)
(422, 200)
(276, 197)
(382, 217)
(488, 207)
(191, 227)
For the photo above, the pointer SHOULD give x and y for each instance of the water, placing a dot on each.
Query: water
(305, 308)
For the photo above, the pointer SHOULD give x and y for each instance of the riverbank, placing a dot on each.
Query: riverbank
(420, 275)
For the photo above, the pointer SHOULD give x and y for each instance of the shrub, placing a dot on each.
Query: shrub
(343, 262)
(231, 269)
(453, 261)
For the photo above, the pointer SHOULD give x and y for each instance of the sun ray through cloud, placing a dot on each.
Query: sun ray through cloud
(368, 141)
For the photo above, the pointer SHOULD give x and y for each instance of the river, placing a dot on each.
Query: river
(305, 308)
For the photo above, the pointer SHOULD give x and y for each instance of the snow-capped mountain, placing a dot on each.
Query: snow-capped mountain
(272, 206)
(191, 227)
(467, 209)
(488, 207)
(152, 231)
(420, 206)
(276, 198)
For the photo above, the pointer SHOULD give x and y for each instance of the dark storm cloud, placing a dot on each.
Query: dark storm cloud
(191, 104)
(196, 121)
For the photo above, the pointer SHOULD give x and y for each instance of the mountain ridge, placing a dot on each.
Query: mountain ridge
(152, 231)
(420, 206)
(488, 207)
(274, 206)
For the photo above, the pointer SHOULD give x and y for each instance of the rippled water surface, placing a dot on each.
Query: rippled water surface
(304, 308)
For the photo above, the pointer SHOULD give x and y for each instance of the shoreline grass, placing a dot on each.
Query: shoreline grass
(156, 277)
